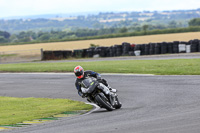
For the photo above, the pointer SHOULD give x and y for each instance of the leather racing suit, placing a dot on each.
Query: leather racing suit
(88, 73)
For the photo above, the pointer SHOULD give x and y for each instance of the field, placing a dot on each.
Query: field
(103, 42)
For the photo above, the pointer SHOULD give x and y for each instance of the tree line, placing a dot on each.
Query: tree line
(86, 33)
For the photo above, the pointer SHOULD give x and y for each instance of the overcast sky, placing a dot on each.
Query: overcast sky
(10, 8)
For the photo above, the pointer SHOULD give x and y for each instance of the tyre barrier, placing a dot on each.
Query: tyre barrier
(158, 48)
(142, 47)
(111, 51)
(152, 48)
(56, 55)
(90, 52)
(127, 49)
(146, 49)
(118, 50)
(195, 45)
(79, 53)
(175, 46)
(163, 48)
(170, 47)
(101, 51)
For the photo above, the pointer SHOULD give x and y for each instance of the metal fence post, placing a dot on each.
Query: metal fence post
(42, 54)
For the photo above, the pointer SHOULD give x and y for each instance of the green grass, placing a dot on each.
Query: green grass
(16, 110)
(158, 67)
(8, 55)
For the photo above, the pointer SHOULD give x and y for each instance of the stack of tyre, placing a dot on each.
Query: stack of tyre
(56, 55)
(168, 47)
(79, 53)
(118, 50)
(195, 45)
(100, 52)
(125, 48)
(90, 52)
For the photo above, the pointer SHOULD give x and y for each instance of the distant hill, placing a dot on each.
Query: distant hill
(71, 22)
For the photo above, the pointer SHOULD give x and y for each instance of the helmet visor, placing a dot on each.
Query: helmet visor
(79, 73)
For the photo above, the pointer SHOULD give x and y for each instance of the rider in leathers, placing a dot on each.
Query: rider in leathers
(81, 75)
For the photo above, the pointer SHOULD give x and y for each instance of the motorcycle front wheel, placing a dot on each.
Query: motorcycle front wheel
(104, 102)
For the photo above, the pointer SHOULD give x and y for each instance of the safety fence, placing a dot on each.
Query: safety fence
(127, 49)
(20, 56)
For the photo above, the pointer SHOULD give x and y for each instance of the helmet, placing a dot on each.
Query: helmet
(79, 72)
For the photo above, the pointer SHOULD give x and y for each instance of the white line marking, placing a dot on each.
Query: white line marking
(95, 109)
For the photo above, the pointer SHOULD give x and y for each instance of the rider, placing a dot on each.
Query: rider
(81, 75)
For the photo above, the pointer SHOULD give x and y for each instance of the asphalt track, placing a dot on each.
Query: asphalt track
(151, 104)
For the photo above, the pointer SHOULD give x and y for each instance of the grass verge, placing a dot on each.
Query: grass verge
(16, 110)
(157, 67)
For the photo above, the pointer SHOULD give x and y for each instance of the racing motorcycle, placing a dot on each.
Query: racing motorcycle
(94, 93)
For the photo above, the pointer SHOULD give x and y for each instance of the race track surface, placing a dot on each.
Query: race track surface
(151, 104)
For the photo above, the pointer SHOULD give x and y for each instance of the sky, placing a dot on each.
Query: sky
(10, 8)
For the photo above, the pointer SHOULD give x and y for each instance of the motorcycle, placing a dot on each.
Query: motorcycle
(94, 93)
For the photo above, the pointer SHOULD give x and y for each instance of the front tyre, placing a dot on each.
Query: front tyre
(119, 105)
(104, 102)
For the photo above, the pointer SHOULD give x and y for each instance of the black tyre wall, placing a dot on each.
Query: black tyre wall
(158, 48)
(90, 52)
(170, 47)
(175, 47)
(152, 48)
(118, 50)
(142, 48)
(195, 45)
(125, 48)
(164, 48)
(146, 50)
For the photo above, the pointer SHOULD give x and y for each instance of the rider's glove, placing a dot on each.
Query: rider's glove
(104, 82)
(98, 77)
(81, 94)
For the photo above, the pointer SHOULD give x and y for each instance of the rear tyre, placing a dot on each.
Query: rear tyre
(104, 102)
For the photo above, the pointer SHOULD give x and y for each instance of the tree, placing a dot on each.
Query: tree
(123, 30)
(44, 37)
(145, 27)
(194, 22)
(3, 39)
(5, 34)
(172, 24)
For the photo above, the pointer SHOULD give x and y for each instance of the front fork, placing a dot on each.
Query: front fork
(113, 99)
